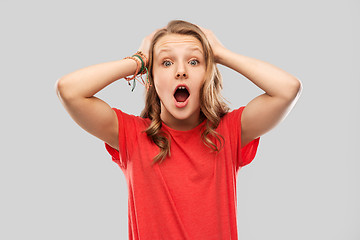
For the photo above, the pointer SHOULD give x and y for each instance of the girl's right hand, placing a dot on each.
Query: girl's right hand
(145, 44)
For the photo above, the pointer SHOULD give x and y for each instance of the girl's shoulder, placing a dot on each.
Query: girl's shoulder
(131, 120)
(233, 115)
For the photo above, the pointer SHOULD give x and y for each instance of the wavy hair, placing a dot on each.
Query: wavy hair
(212, 105)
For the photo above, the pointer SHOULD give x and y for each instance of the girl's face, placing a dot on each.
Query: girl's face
(179, 62)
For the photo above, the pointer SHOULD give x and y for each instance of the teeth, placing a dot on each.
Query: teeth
(181, 88)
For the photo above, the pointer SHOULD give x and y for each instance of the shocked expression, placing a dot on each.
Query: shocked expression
(179, 72)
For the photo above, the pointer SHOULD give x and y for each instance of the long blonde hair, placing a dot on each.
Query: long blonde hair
(212, 106)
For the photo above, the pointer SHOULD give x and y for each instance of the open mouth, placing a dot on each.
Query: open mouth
(181, 94)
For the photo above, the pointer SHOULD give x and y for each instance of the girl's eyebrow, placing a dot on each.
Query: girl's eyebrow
(164, 50)
(195, 49)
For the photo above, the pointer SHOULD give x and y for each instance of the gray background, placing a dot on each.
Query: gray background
(58, 182)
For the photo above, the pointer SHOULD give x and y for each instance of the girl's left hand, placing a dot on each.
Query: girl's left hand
(146, 42)
(216, 45)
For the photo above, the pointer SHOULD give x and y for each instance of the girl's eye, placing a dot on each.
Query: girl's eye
(194, 62)
(167, 63)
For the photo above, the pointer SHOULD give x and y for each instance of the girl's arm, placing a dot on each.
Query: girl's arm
(86, 82)
(273, 80)
(264, 112)
(76, 92)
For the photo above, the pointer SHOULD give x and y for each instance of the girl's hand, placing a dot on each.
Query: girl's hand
(145, 44)
(216, 45)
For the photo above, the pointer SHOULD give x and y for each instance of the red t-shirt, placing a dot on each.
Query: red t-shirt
(192, 194)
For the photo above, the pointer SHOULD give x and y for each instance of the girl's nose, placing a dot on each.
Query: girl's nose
(181, 75)
(181, 72)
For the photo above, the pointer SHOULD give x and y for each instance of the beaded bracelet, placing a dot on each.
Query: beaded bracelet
(139, 58)
(142, 64)
(142, 55)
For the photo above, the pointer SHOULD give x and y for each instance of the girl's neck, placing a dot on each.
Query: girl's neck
(183, 124)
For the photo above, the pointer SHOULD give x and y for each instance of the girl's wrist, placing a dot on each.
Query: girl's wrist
(141, 61)
(132, 65)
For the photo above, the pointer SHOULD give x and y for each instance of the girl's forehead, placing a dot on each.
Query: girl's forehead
(177, 40)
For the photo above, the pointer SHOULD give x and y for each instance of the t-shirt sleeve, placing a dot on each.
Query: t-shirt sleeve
(246, 154)
(127, 134)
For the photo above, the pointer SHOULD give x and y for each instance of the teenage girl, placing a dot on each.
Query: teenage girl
(181, 156)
